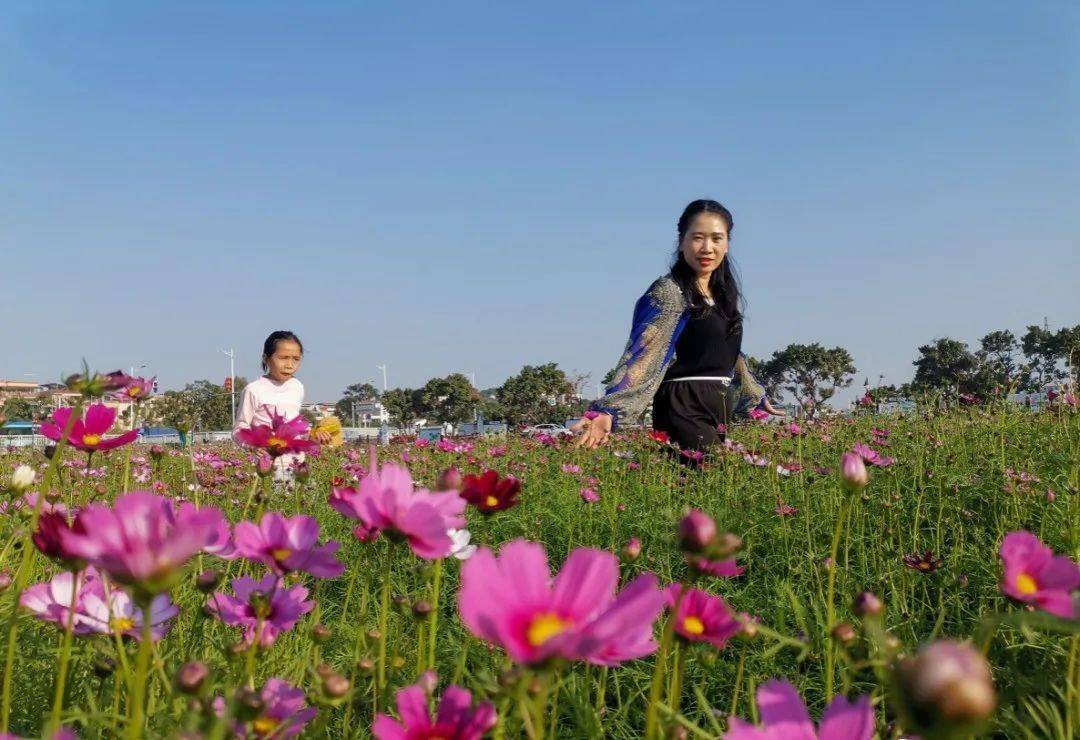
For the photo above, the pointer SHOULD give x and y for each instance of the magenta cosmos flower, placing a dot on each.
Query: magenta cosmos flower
(386, 501)
(87, 433)
(784, 717)
(281, 607)
(288, 544)
(141, 541)
(455, 718)
(135, 389)
(511, 601)
(283, 716)
(280, 436)
(871, 456)
(1034, 574)
(702, 617)
(51, 601)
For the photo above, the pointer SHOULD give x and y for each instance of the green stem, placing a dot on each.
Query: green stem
(142, 667)
(65, 655)
(652, 715)
(23, 574)
(436, 583)
(830, 606)
(384, 618)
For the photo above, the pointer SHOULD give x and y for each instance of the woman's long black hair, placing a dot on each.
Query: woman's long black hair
(724, 283)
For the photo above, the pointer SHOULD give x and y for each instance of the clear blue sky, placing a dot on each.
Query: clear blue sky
(447, 187)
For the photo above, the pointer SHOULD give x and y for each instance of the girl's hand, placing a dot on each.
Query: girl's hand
(322, 436)
(595, 432)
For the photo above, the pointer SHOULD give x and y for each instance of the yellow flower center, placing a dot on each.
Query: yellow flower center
(276, 445)
(693, 625)
(134, 391)
(264, 726)
(491, 501)
(91, 440)
(121, 624)
(544, 627)
(1026, 585)
(924, 565)
(281, 553)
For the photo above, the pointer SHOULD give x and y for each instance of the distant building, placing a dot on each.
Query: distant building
(368, 413)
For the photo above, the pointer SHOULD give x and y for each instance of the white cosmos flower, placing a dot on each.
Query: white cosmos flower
(461, 549)
(22, 478)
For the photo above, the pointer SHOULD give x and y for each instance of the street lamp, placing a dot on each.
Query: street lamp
(131, 404)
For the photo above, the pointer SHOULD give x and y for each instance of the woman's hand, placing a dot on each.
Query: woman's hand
(768, 407)
(594, 432)
(322, 436)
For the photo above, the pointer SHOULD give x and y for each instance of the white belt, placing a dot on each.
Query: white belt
(722, 378)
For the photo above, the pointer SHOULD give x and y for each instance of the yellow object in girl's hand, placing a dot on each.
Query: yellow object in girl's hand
(329, 425)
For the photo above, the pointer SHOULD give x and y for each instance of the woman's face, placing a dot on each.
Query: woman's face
(705, 244)
(285, 361)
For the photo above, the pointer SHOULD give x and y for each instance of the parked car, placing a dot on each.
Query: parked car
(554, 430)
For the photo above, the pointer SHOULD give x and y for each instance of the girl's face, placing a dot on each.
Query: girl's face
(285, 361)
(705, 244)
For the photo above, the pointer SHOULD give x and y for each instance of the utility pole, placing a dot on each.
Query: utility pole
(231, 354)
(383, 368)
(131, 403)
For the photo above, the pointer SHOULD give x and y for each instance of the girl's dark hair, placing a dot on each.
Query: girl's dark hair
(724, 282)
(271, 343)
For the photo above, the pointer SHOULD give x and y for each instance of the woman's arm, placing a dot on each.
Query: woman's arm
(746, 394)
(659, 316)
(245, 412)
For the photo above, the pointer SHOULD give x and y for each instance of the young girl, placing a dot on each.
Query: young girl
(277, 390)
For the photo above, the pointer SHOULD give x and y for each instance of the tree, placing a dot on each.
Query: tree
(450, 399)
(608, 379)
(998, 349)
(403, 405)
(945, 364)
(765, 375)
(355, 393)
(22, 408)
(200, 405)
(1068, 341)
(1043, 349)
(810, 372)
(537, 394)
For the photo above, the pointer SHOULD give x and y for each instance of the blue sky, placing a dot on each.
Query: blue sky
(455, 187)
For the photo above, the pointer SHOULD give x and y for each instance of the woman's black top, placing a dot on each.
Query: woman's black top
(706, 347)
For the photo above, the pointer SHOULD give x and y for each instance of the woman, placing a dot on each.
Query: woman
(685, 348)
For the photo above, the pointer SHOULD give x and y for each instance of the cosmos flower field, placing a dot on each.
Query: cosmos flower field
(852, 578)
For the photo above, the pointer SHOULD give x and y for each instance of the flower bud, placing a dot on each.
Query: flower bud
(302, 473)
(853, 475)
(696, 531)
(264, 466)
(208, 580)
(449, 479)
(324, 669)
(948, 685)
(104, 666)
(366, 665)
(631, 550)
(157, 451)
(22, 479)
(191, 676)
(867, 604)
(844, 633)
(5, 579)
(249, 705)
(421, 609)
(336, 686)
(320, 633)
(428, 681)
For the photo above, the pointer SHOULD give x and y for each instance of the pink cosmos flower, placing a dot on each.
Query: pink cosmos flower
(135, 389)
(283, 716)
(872, 456)
(1035, 575)
(784, 717)
(112, 611)
(141, 541)
(701, 617)
(717, 568)
(51, 601)
(220, 539)
(288, 544)
(282, 607)
(511, 601)
(589, 495)
(88, 433)
(48, 539)
(455, 718)
(386, 500)
(280, 436)
(571, 468)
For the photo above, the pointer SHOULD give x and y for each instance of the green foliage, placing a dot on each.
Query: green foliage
(22, 408)
(355, 393)
(450, 399)
(200, 405)
(809, 372)
(404, 406)
(537, 394)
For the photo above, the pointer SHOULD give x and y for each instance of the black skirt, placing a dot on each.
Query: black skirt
(690, 412)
